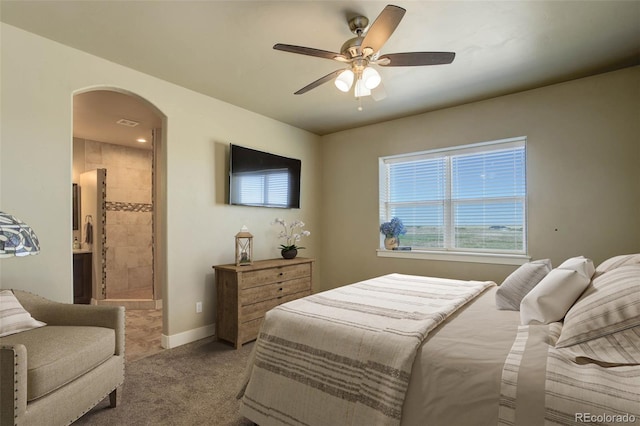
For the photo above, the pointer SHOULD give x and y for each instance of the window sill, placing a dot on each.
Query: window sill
(499, 259)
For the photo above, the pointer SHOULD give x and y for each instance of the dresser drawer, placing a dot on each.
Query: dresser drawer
(257, 310)
(249, 330)
(244, 294)
(272, 275)
(272, 291)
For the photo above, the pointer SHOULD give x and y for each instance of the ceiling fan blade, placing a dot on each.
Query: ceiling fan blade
(318, 82)
(382, 28)
(415, 59)
(310, 52)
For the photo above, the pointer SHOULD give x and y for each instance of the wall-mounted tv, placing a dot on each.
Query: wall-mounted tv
(259, 178)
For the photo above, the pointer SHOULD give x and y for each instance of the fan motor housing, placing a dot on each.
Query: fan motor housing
(351, 47)
(358, 24)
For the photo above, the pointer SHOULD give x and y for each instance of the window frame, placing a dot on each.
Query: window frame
(449, 252)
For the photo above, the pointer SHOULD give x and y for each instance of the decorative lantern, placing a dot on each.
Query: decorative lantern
(244, 247)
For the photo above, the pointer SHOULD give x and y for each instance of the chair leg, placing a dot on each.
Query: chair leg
(113, 398)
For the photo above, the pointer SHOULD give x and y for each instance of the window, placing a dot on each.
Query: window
(263, 187)
(464, 199)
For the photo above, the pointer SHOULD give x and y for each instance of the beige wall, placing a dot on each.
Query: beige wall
(583, 175)
(38, 81)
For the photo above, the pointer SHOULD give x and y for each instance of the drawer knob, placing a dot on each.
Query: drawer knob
(281, 273)
(280, 289)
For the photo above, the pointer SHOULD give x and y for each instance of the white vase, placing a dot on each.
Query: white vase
(391, 242)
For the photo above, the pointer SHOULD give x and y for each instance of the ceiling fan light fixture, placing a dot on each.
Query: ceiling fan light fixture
(363, 50)
(344, 80)
(371, 78)
(360, 89)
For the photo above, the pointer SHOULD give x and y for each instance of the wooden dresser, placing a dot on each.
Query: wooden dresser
(245, 293)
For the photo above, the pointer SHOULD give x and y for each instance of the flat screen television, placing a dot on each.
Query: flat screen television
(262, 179)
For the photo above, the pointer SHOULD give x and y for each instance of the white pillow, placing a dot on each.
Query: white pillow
(13, 317)
(550, 300)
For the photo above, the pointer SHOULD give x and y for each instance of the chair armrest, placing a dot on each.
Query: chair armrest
(56, 313)
(13, 385)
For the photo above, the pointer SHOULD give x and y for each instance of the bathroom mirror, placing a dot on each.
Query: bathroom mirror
(76, 204)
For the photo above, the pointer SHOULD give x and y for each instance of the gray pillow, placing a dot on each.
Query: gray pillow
(609, 305)
(604, 323)
(616, 262)
(520, 282)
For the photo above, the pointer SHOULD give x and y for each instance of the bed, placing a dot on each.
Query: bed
(408, 350)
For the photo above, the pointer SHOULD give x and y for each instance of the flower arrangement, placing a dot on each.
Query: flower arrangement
(393, 229)
(291, 233)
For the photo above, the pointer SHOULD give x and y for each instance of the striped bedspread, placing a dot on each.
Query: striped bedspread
(344, 356)
(541, 385)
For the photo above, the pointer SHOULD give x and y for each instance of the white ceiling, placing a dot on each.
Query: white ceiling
(224, 48)
(96, 115)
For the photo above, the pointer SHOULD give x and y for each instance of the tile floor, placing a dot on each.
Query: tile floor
(143, 331)
(136, 293)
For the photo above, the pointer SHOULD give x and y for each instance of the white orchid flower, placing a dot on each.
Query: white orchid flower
(288, 233)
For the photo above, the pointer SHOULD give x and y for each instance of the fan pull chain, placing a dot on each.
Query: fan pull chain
(359, 103)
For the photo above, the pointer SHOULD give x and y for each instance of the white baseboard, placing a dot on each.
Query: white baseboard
(188, 336)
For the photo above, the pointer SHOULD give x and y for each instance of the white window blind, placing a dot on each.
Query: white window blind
(263, 187)
(470, 198)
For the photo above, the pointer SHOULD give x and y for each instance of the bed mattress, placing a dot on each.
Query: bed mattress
(478, 366)
(456, 375)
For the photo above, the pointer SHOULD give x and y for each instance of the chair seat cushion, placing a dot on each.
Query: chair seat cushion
(56, 355)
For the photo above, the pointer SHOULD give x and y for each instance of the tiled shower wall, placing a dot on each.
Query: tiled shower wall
(129, 225)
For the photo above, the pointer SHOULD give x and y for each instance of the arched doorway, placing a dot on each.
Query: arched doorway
(117, 145)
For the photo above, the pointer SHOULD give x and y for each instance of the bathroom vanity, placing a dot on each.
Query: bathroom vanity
(82, 272)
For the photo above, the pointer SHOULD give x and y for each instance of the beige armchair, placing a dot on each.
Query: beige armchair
(52, 375)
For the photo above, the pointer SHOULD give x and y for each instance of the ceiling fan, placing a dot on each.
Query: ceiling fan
(362, 51)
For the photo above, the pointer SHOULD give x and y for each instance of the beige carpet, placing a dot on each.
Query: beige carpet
(194, 384)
